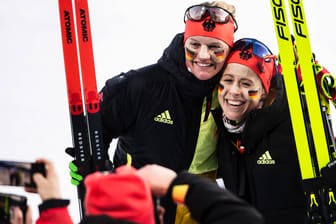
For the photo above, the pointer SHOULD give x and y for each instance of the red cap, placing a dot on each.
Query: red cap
(122, 195)
(264, 70)
(209, 28)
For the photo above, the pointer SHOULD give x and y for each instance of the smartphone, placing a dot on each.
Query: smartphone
(7, 204)
(15, 173)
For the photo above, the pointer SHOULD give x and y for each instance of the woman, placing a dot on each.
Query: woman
(160, 113)
(256, 151)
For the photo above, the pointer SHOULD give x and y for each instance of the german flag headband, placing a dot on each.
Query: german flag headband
(254, 54)
(209, 21)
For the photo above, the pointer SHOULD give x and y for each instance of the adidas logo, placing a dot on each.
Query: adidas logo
(265, 159)
(164, 117)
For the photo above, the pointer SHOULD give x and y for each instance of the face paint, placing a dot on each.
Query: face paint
(220, 88)
(216, 56)
(219, 55)
(189, 54)
(253, 94)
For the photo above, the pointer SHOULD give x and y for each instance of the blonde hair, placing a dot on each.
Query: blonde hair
(230, 8)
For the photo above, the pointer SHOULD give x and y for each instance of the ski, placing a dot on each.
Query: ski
(85, 117)
(93, 117)
(308, 123)
(306, 61)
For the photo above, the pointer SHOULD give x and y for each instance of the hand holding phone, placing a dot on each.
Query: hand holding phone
(48, 184)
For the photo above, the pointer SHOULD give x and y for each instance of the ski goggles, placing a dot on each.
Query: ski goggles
(217, 14)
(258, 49)
(257, 56)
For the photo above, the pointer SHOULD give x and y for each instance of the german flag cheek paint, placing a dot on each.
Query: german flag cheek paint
(220, 56)
(189, 54)
(253, 94)
(220, 88)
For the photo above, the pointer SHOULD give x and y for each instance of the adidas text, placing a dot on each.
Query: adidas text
(268, 161)
(163, 120)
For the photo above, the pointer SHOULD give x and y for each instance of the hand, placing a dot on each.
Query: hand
(48, 186)
(328, 85)
(18, 216)
(326, 81)
(76, 178)
(158, 177)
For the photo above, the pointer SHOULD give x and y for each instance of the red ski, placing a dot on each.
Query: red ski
(81, 83)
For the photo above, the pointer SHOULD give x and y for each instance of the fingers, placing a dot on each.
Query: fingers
(158, 177)
(17, 216)
(29, 216)
(49, 168)
(48, 185)
(76, 178)
(38, 178)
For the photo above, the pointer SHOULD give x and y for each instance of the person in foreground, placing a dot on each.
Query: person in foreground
(256, 152)
(160, 113)
(126, 197)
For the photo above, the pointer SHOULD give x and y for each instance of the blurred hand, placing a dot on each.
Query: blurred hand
(17, 217)
(48, 186)
(158, 177)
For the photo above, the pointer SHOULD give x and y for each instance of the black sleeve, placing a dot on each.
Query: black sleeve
(211, 204)
(117, 106)
(53, 203)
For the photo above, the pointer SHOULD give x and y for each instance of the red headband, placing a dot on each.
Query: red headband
(209, 28)
(264, 70)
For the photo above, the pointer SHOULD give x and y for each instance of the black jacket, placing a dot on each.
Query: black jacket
(267, 174)
(210, 204)
(155, 111)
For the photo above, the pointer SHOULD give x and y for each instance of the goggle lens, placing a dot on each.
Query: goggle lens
(258, 49)
(217, 14)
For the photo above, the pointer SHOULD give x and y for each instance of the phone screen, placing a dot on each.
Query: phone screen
(14, 173)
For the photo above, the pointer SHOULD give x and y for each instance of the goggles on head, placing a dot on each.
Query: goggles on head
(257, 56)
(258, 49)
(217, 14)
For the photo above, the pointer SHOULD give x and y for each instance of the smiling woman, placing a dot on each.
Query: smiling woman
(246, 80)
(258, 148)
(34, 115)
(205, 57)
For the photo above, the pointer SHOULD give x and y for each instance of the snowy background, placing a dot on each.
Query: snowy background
(126, 34)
